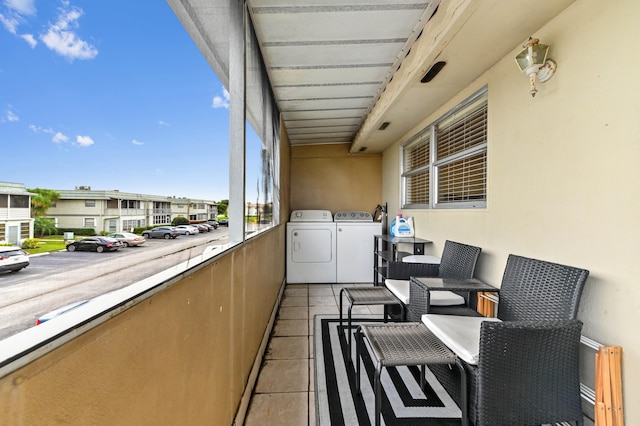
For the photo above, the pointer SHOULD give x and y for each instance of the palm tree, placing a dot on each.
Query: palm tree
(44, 226)
(42, 201)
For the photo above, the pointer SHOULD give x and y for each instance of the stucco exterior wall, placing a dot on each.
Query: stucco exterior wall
(563, 172)
(326, 177)
(182, 356)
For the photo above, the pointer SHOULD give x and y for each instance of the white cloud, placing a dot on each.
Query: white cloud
(221, 102)
(163, 123)
(137, 142)
(30, 39)
(16, 10)
(9, 23)
(22, 7)
(59, 138)
(10, 116)
(83, 141)
(62, 39)
(38, 129)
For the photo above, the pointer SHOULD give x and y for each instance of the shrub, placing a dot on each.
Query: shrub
(180, 220)
(87, 232)
(30, 243)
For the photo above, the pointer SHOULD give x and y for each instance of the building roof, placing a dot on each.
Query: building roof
(89, 194)
(14, 189)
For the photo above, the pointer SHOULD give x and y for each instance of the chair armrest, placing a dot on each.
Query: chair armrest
(404, 270)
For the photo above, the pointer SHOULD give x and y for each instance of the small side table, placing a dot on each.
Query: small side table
(406, 344)
(469, 285)
(367, 296)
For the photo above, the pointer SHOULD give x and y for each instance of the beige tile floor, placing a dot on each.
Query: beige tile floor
(284, 392)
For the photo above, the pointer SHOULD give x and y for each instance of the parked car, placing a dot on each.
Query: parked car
(213, 223)
(208, 226)
(98, 244)
(127, 238)
(223, 222)
(13, 258)
(200, 227)
(165, 232)
(56, 313)
(186, 229)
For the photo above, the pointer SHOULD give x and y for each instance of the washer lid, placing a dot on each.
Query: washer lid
(353, 216)
(311, 216)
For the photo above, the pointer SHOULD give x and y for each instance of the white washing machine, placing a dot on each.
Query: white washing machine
(355, 231)
(311, 247)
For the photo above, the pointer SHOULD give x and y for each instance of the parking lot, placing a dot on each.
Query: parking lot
(59, 278)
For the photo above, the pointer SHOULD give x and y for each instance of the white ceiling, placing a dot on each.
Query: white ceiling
(332, 62)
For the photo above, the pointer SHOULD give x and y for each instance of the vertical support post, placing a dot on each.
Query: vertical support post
(237, 146)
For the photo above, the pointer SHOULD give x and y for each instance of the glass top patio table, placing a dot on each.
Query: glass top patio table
(459, 285)
(454, 284)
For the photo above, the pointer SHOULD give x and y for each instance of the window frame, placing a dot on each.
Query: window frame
(434, 164)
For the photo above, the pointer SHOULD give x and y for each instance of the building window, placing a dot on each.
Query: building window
(89, 222)
(24, 230)
(89, 203)
(19, 201)
(445, 165)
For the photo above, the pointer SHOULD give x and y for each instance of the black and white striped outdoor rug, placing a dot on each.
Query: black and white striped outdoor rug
(403, 402)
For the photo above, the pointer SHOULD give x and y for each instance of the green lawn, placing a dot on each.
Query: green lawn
(47, 245)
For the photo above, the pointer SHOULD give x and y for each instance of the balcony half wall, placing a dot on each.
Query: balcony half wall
(180, 356)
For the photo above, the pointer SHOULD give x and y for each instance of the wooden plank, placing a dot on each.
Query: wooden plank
(600, 414)
(615, 368)
(599, 409)
(605, 364)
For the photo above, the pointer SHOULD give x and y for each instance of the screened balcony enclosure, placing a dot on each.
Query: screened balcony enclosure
(328, 110)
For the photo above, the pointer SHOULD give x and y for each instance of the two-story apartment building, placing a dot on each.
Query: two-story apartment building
(16, 223)
(115, 211)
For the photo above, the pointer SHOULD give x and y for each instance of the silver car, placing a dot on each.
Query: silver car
(128, 239)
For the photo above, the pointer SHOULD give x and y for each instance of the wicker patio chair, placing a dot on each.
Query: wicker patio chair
(531, 291)
(458, 261)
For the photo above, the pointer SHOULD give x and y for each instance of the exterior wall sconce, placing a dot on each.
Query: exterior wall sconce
(534, 63)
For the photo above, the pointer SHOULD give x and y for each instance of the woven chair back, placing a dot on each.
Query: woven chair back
(458, 260)
(535, 290)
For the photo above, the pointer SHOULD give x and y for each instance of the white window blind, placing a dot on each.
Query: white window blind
(445, 165)
(416, 166)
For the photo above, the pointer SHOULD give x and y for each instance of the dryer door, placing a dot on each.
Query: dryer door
(312, 245)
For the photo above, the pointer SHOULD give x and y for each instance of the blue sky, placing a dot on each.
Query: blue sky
(111, 94)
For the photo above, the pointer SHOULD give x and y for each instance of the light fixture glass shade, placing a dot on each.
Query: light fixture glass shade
(533, 55)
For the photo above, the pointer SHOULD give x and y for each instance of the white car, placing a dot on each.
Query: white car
(13, 258)
(186, 229)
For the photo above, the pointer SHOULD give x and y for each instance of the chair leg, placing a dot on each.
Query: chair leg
(349, 328)
(464, 406)
(378, 393)
(423, 380)
(341, 291)
(359, 343)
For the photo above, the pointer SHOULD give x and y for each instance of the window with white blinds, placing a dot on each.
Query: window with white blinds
(445, 165)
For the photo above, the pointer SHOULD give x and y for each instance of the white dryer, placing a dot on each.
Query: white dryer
(311, 247)
(355, 231)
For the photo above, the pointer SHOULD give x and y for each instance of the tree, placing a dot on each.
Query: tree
(42, 201)
(223, 205)
(44, 226)
(180, 220)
